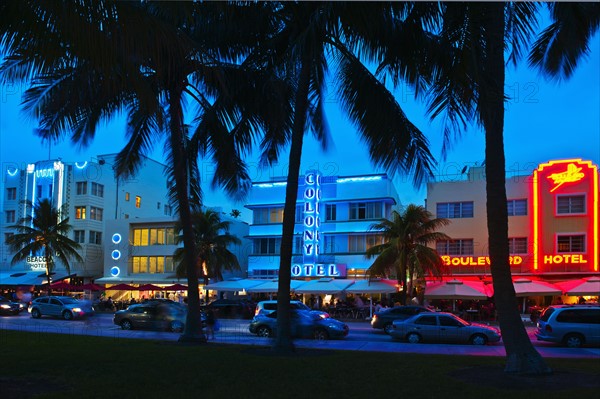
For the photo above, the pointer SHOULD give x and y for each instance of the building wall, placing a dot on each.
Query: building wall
(336, 258)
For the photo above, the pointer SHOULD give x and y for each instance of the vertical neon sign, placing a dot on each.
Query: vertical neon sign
(311, 221)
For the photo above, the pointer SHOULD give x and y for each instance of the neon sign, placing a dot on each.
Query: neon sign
(41, 173)
(571, 175)
(548, 178)
(318, 270)
(13, 172)
(476, 260)
(311, 221)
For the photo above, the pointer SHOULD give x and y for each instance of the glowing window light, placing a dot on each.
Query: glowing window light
(80, 166)
(358, 179)
(115, 271)
(13, 172)
(30, 168)
(116, 254)
(116, 238)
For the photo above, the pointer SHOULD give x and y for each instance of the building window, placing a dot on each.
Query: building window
(330, 212)
(153, 236)
(50, 191)
(517, 245)
(95, 237)
(98, 190)
(81, 188)
(455, 247)
(267, 246)
(268, 215)
(570, 243)
(569, 204)
(127, 196)
(168, 210)
(80, 212)
(96, 213)
(39, 191)
(11, 216)
(298, 243)
(454, 210)
(79, 236)
(7, 236)
(362, 242)
(365, 210)
(11, 193)
(299, 213)
(517, 207)
(328, 244)
(138, 201)
(373, 240)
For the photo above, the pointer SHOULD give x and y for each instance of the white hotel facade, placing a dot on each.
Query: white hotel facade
(91, 195)
(334, 215)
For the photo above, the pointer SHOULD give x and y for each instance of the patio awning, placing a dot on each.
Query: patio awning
(234, 284)
(372, 287)
(29, 278)
(581, 287)
(327, 286)
(272, 286)
(457, 289)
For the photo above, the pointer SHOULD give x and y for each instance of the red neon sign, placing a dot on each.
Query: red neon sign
(564, 177)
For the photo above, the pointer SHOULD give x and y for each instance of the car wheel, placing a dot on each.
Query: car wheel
(263, 331)
(573, 340)
(413, 338)
(388, 328)
(479, 339)
(176, 326)
(67, 315)
(35, 313)
(320, 335)
(126, 325)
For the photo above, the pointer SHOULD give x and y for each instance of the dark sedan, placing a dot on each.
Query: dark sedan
(7, 307)
(305, 324)
(384, 318)
(153, 315)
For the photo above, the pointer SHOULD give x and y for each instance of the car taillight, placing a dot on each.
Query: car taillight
(548, 328)
(256, 312)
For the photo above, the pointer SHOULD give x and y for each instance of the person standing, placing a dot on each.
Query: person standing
(211, 320)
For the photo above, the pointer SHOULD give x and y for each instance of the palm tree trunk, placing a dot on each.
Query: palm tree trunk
(522, 357)
(193, 330)
(283, 341)
(48, 267)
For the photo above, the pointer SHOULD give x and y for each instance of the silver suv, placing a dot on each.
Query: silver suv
(571, 325)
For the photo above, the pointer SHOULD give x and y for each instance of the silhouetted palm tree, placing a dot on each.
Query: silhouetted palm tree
(405, 251)
(44, 232)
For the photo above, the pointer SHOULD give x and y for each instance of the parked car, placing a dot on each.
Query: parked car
(443, 327)
(570, 325)
(267, 307)
(152, 315)
(232, 308)
(60, 306)
(8, 307)
(384, 318)
(305, 324)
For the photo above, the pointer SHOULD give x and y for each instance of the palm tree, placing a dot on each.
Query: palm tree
(405, 251)
(310, 35)
(470, 87)
(145, 60)
(44, 232)
(212, 241)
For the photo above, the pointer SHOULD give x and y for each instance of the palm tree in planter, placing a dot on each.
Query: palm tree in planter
(406, 252)
(212, 239)
(44, 232)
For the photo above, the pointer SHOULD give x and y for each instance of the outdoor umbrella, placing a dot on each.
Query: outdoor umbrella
(271, 286)
(176, 287)
(372, 287)
(149, 287)
(61, 285)
(580, 287)
(92, 287)
(525, 287)
(327, 286)
(122, 287)
(457, 289)
(235, 284)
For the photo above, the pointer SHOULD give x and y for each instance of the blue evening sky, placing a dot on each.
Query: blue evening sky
(544, 121)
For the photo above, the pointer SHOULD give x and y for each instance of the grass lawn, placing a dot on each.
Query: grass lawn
(65, 366)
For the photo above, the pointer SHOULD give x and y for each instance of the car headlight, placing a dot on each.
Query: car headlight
(78, 310)
(4, 306)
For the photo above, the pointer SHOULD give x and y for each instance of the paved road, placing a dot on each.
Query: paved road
(361, 338)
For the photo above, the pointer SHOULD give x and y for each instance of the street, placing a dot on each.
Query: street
(233, 331)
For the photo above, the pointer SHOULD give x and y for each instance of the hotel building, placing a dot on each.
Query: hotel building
(553, 221)
(334, 215)
(91, 194)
